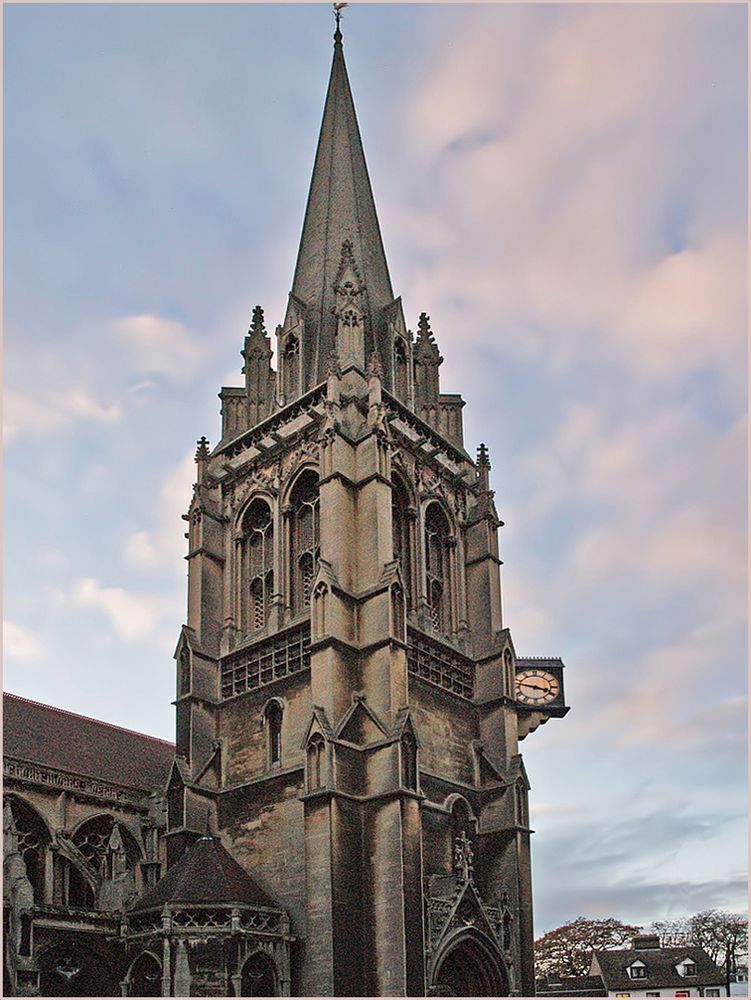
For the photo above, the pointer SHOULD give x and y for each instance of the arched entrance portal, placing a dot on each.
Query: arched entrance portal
(468, 967)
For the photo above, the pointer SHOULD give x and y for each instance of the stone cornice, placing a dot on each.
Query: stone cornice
(52, 778)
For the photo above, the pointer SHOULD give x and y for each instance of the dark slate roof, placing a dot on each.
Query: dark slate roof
(205, 873)
(68, 742)
(340, 207)
(660, 963)
(570, 986)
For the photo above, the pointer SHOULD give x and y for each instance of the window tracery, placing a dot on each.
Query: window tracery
(33, 841)
(401, 528)
(258, 565)
(438, 567)
(305, 538)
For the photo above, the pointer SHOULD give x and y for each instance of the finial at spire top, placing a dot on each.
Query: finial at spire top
(338, 8)
(257, 324)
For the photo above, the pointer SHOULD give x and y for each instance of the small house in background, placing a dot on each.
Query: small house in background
(643, 970)
(739, 982)
(647, 970)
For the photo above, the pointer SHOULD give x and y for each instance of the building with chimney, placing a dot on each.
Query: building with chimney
(346, 812)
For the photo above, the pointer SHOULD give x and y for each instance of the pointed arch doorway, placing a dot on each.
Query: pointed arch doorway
(468, 966)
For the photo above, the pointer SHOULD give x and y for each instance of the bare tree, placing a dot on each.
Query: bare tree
(724, 936)
(567, 950)
(672, 933)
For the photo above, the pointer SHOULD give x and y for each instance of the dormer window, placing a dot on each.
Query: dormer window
(637, 970)
(686, 968)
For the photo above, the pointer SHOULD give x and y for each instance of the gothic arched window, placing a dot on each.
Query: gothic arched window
(183, 672)
(461, 820)
(33, 841)
(92, 839)
(316, 763)
(259, 978)
(397, 613)
(175, 802)
(521, 803)
(401, 528)
(508, 663)
(305, 538)
(258, 568)
(400, 370)
(273, 720)
(145, 977)
(291, 367)
(409, 761)
(438, 567)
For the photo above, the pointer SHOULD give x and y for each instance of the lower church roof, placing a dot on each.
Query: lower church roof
(205, 873)
(52, 737)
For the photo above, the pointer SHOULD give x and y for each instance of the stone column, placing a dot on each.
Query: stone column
(182, 970)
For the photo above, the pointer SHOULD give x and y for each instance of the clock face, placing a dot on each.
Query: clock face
(536, 687)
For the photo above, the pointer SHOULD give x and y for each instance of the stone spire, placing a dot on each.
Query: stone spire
(340, 210)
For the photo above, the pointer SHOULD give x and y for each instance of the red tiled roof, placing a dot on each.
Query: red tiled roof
(70, 742)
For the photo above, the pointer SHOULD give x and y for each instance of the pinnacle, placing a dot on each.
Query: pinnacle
(256, 325)
(425, 334)
(202, 451)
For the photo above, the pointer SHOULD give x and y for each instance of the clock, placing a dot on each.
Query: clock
(536, 687)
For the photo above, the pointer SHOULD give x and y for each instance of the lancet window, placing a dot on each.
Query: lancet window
(258, 565)
(273, 721)
(438, 567)
(409, 761)
(305, 539)
(508, 664)
(521, 803)
(400, 370)
(401, 527)
(175, 803)
(183, 672)
(316, 762)
(291, 367)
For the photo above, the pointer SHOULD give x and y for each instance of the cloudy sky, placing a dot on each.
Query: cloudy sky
(563, 190)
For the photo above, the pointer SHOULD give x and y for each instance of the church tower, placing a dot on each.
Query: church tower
(349, 699)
